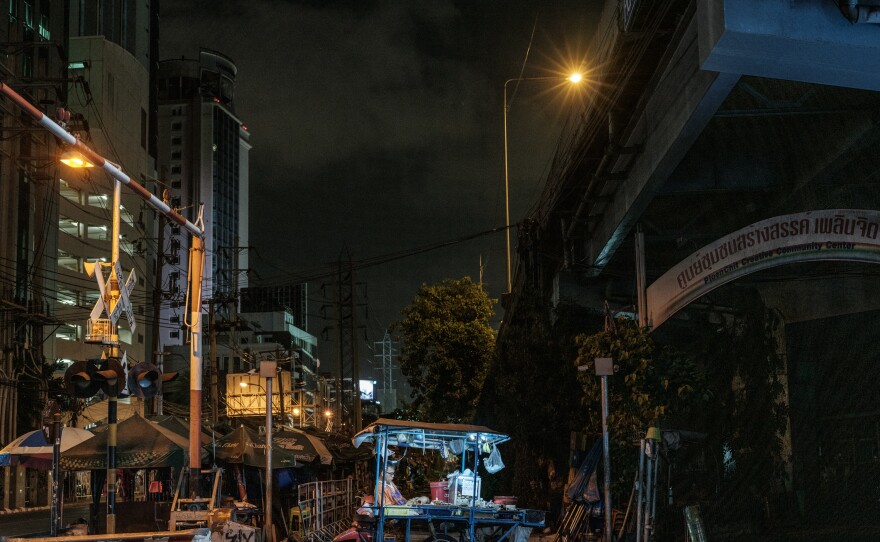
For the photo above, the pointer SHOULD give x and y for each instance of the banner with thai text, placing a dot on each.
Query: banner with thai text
(835, 234)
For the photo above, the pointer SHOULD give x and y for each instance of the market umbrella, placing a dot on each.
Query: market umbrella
(304, 446)
(340, 447)
(179, 426)
(245, 446)
(140, 444)
(32, 450)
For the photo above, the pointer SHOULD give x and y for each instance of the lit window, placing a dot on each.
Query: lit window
(99, 233)
(44, 28)
(98, 200)
(127, 246)
(66, 297)
(69, 193)
(69, 226)
(127, 217)
(67, 261)
(29, 13)
(68, 332)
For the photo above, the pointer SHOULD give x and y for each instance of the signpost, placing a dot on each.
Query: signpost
(604, 369)
(52, 429)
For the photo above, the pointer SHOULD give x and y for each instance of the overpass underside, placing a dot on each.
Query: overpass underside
(734, 112)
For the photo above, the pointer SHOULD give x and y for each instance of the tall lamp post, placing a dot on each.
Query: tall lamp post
(267, 371)
(573, 78)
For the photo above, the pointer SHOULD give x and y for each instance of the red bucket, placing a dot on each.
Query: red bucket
(440, 491)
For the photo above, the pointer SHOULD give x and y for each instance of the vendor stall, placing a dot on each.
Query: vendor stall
(456, 509)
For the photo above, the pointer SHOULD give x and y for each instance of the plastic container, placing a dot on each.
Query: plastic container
(440, 491)
(461, 489)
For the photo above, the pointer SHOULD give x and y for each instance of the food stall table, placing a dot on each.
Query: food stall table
(500, 521)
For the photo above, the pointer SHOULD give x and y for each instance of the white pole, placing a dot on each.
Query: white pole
(196, 259)
(506, 189)
(268, 514)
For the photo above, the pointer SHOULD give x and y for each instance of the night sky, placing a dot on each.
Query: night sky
(377, 126)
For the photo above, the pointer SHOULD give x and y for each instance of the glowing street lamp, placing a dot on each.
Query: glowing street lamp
(75, 160)
(574, 78)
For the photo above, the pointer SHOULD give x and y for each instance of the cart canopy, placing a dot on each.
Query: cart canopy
(428, 436)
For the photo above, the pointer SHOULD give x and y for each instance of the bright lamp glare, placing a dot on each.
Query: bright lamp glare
(575, 77)
(75, 160)
(243, 384)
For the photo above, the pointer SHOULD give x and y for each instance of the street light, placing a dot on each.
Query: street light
(573, 78)
(75, 160)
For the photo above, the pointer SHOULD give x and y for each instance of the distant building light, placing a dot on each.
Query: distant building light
(77, 65)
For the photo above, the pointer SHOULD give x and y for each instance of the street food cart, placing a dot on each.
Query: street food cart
(457, 514)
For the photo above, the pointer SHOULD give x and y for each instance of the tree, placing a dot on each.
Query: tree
(447, 348)
(650, 385)
(532, 395)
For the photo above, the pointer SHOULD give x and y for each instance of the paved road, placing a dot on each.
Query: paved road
(31, 523)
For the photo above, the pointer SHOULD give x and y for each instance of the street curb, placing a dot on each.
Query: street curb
(12, 511)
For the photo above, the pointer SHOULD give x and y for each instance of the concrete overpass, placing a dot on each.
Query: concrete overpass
(708, 116)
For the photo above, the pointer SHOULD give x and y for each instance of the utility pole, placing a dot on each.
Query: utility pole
(387, 354)
(215, 400)
(157, 296)
(280, 384)
(346, 324)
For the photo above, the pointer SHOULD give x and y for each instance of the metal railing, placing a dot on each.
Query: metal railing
(327, 505)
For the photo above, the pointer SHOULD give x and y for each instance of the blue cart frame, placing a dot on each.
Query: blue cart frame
(435, 436)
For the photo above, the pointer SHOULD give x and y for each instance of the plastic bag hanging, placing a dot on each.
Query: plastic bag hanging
(493, 463)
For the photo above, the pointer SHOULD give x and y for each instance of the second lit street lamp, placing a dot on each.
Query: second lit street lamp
(574, 78)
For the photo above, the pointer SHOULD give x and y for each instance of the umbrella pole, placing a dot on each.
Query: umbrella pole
(56, 474)
(111, 461)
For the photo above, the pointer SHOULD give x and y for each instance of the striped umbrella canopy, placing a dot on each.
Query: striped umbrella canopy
(140, 444)
(32, 450)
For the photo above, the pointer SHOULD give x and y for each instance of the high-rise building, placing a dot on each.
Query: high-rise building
(203, 159)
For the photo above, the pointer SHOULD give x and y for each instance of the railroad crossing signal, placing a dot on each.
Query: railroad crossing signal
(145, 380)
(100, 328)
(86, 378)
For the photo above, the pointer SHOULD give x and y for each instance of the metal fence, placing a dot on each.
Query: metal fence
(325, 508)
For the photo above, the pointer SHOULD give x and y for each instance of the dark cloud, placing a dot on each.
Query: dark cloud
(377, 126)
